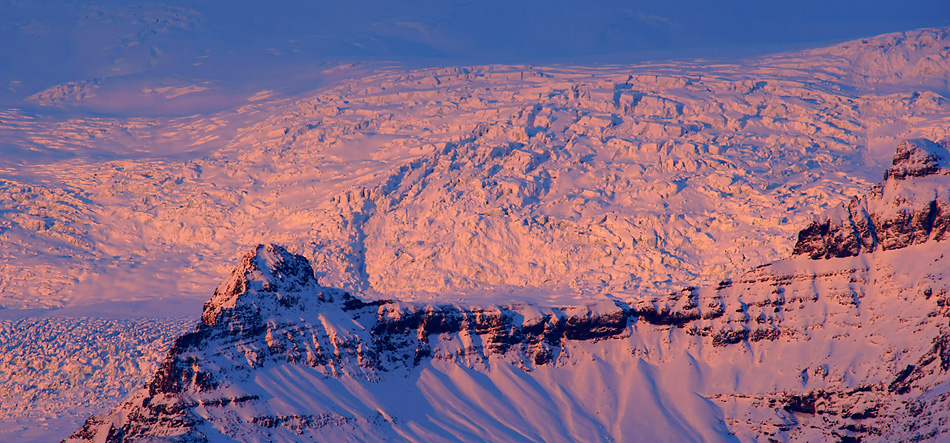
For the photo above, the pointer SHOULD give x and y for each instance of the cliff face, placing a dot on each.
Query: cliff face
(263, 313)
(910, 206)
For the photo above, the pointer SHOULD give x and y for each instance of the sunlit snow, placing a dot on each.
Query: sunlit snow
(439, 153)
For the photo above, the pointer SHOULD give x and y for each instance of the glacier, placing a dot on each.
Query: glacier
(499, 199)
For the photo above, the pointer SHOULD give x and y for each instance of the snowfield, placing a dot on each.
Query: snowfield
(485, 186)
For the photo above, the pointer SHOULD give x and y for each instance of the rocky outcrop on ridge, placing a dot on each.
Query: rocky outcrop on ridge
(272, 311)
(908, 207)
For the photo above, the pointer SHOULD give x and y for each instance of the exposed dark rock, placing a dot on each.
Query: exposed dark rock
(723, 338)
(939, 351)
(848, 439)
(351, 303)
(270, 275)
(500, 328)
(678, 309)
(300, 422)
(88, 431)
(667, 316)
(588, 326)
(865, 414)
(115, 435)
(227, 401)
(822, 239)
(916, 158)
(177, 375)
(804, 404)
(171, 414)
(901, 383)
(765, 334)
(886, 218)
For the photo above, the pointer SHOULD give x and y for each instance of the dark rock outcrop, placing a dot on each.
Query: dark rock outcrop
(939, 353)
(903, 210)
(916, 158)
(268, 312)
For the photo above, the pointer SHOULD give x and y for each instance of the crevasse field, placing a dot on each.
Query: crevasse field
(405, 160)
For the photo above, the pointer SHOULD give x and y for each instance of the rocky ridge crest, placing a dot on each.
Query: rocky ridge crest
(910, 206)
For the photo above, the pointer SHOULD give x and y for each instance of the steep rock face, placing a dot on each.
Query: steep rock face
(910, 206)
(277, 357)
(272, 311)
(268, 278)
(267, 282)
(917, 158)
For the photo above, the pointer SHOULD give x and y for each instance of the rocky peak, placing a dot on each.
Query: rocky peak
(917, 158)
(268, 274)
(911, 206)
(267, 284)
(211, 380)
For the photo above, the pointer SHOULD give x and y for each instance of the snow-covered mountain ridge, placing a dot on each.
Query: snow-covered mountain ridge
(796, 350)
(476, 187)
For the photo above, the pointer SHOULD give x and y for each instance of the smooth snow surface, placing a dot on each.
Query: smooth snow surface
(554, 185)
(180, 57)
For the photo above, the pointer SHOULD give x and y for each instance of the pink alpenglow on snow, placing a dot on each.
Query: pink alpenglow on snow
(477, 222)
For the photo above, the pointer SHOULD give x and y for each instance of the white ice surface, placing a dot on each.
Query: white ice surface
(554, 184)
